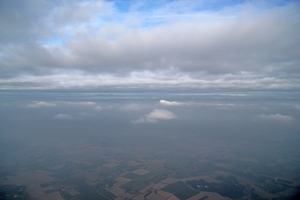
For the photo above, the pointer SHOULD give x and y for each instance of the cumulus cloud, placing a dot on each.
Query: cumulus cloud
(63, 116)
(38, 104)
(170, 103)
(278, 118)
(155, 116)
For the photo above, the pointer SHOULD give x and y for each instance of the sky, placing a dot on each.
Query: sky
(163, 44)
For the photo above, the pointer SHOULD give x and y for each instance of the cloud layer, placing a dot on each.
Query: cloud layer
(92, 44)
(38, 104)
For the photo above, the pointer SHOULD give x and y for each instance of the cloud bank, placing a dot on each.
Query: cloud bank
(171, 44)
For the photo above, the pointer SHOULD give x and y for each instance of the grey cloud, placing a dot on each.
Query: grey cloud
(132, 107)
(38, 104)
(87, 115)
(78, 12)
(97, 108)
(277, 118)
(63, 116)
(149, 79)
(155, 116)
(235, 47)
(22, 21)
(244, 43)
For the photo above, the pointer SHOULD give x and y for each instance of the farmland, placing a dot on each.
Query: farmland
(116, 174)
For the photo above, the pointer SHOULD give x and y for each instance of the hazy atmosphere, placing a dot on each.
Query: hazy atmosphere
(150, 100)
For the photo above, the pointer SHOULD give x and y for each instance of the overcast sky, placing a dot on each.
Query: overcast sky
(203, 44)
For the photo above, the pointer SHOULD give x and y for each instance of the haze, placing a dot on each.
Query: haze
(149, 99)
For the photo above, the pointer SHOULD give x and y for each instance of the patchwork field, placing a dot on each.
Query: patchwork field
(130, 175)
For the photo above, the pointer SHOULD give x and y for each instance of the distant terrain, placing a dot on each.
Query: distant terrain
(81, 160)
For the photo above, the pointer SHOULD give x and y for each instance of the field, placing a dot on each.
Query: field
(119, 174)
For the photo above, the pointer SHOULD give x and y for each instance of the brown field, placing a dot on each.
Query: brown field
(58, 166)
(72, 191)
(29, 178)
(141, 171)
(138, 197)
(173, 198)
(127, 195)
(214, 196)
(111, 164)
(121, 181)
(244, 181)
(116, 191)
(164, 194)
(48, 188)
(154, 164)
(79, 161)
(169, 180)
(92, 176)
(35, 192)
(197, 196)
(133, 163)
(206, 178)
(146, 188)
(220, 173)
(159, 186)
(263, 193)
(51, 196)
(154, 196)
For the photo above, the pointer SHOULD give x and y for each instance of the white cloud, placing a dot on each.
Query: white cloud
(170, 103)
(155, 116)
(81, 103)
(277, 118)
(98, 108)
(38, 104)
(63, 116)
(93, 44)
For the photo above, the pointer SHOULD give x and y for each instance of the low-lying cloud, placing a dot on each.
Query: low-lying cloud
(38, 104)
(277, 118)
(170, 103)
(83, 103)
(155, 116)
(98, 108)
(63, 116)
